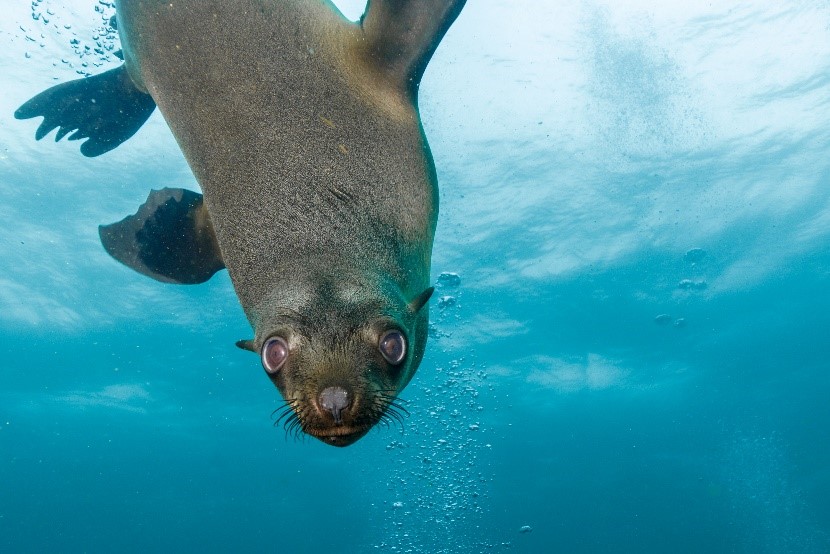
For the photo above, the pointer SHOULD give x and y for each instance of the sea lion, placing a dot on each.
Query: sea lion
(319, 192)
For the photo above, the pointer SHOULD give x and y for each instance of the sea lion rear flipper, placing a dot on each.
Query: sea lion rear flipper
(107, 109)
(403, 34)
(170, 238)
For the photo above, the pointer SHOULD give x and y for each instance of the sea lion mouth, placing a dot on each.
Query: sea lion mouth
(298, 418)
(338, 436)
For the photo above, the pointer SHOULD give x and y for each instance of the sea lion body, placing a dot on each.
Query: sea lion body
(319, 190)
(284, 146)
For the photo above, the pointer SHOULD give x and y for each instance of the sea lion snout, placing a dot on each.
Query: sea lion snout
(334, 400)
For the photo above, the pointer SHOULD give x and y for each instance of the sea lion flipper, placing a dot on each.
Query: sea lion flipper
(403, 34)
(170, 238)
(107, 109)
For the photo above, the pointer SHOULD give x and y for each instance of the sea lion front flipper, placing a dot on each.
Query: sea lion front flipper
(170, 238)
(107, 109)
(403, 34)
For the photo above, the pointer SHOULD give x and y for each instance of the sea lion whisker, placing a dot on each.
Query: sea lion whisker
(284, 404)
(291, 432)
(392, 399)
(384, 396)
(298, 427)
(394, 415)
(290, 424)
(292, 417)
(392, 420)
(398, 425)
(402, 415)
(299, 433)
(392, 424)
(287, 413)
(395, 406)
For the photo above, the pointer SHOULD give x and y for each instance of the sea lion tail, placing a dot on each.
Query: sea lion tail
(107, 109)
(402, 35)
(170, 238)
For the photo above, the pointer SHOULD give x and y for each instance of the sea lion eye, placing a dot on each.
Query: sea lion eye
(392, 346)
(274, 354)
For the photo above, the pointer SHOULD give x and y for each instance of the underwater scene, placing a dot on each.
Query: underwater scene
(628, 336)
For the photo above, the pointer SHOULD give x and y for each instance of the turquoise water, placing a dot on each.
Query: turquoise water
(636, 198)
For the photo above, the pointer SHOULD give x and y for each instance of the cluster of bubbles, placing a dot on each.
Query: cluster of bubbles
(447, 293)
(91, 50)
(693, 257)
(667, 319)
(435, 494)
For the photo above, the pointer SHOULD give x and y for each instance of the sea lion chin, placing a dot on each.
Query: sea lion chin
(344, 439)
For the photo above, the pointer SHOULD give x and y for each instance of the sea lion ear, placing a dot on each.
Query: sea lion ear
(420, 301)
(246, 345)
(402, 35)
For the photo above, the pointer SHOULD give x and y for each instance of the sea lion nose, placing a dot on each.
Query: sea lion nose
(334, 400)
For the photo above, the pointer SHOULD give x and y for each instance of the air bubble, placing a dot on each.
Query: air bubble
(688, 284)
(448, 280)
(695, 255)
(447, 301)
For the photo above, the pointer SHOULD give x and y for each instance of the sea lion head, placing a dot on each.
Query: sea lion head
(341, 358)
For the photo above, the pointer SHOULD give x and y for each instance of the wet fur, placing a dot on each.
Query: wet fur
(318, 184)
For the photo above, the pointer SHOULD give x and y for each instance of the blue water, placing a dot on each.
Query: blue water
(636, 198)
